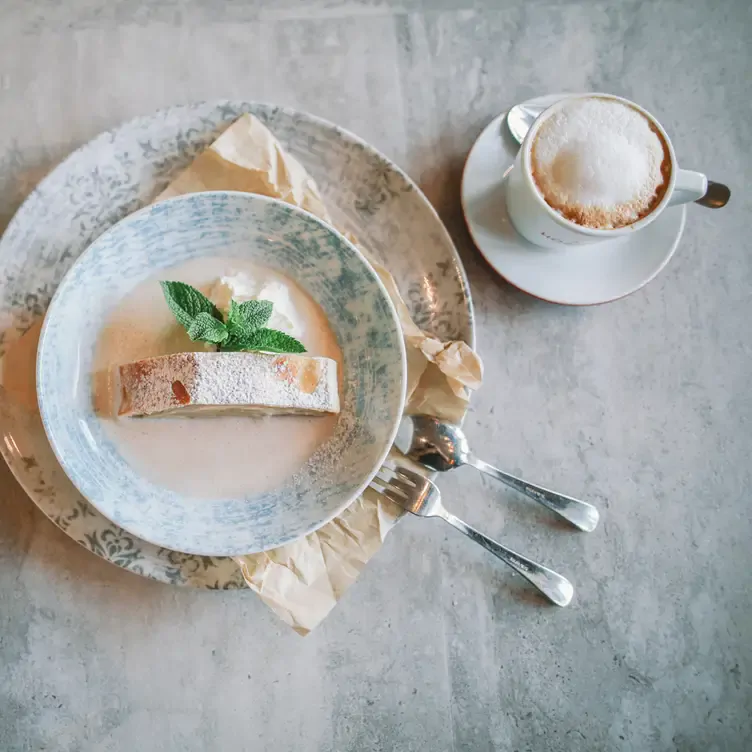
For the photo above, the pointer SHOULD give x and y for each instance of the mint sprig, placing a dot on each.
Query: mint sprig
(247, 317)
(268, 340)
(244, 330)
(186, 302)
(205, 328)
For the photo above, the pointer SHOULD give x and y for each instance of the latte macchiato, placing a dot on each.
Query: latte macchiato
(600, 163)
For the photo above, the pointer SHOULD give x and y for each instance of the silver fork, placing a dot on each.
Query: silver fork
(421, 497)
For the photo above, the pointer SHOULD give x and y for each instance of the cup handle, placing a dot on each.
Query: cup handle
(689, 187)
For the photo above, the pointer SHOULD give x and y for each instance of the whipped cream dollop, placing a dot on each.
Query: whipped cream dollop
(286, 315)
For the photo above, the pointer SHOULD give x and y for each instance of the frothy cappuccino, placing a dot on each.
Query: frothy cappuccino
(600, 163)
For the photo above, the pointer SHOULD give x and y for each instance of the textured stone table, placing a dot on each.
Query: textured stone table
(643, 406)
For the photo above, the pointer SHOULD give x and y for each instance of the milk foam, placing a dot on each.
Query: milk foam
(599, 163)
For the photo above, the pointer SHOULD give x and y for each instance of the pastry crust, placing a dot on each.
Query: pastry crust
(192, 383)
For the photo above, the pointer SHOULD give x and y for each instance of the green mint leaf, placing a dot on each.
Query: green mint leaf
(207, 329)
(244, 318)
(186, 302)
(267, 340)
(246, 322)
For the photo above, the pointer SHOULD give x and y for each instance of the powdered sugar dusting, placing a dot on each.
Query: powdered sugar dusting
(275, 383)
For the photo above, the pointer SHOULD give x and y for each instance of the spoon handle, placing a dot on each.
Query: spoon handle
(581, 514)
(557, 589)
(716, 197)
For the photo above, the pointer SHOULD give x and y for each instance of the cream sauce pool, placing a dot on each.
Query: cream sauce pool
(207, 457)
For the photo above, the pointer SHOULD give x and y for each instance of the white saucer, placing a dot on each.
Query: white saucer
(583, 275)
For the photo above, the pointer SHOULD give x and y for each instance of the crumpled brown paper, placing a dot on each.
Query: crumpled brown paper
(247, 158)
(302, 581)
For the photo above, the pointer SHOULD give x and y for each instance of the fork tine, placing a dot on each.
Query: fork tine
(399, 479)
(406, 488)
(378, 484)
(383, 476)
(411, 476)
(388, 492)
(389, 484)
(397, 499)
(389, 472)
(390, 464)
(413, 479)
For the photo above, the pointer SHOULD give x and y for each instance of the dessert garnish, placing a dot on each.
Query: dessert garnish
(244, 329)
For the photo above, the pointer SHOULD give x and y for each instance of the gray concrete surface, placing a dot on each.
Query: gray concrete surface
(643, 406)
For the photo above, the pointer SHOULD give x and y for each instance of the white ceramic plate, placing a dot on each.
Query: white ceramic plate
(119, 172)
(575, 275)
(272, 234)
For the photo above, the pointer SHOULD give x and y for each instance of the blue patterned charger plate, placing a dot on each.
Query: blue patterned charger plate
(123, 170)
(273, 235)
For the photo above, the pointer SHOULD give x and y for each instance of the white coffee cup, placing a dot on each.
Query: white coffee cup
(535, 220)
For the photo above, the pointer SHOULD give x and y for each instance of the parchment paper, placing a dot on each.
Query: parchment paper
(302, 581)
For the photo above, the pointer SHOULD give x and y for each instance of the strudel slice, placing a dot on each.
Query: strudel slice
(199, 383)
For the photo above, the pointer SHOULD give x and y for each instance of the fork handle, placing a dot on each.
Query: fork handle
(579, 513)
(556, 588)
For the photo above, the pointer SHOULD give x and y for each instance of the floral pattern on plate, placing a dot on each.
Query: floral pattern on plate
(121, 171)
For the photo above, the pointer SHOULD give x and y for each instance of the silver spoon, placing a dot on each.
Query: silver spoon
(522, 116)
(443, 446)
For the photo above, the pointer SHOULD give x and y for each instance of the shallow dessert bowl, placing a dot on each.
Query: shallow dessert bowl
(272, 234)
